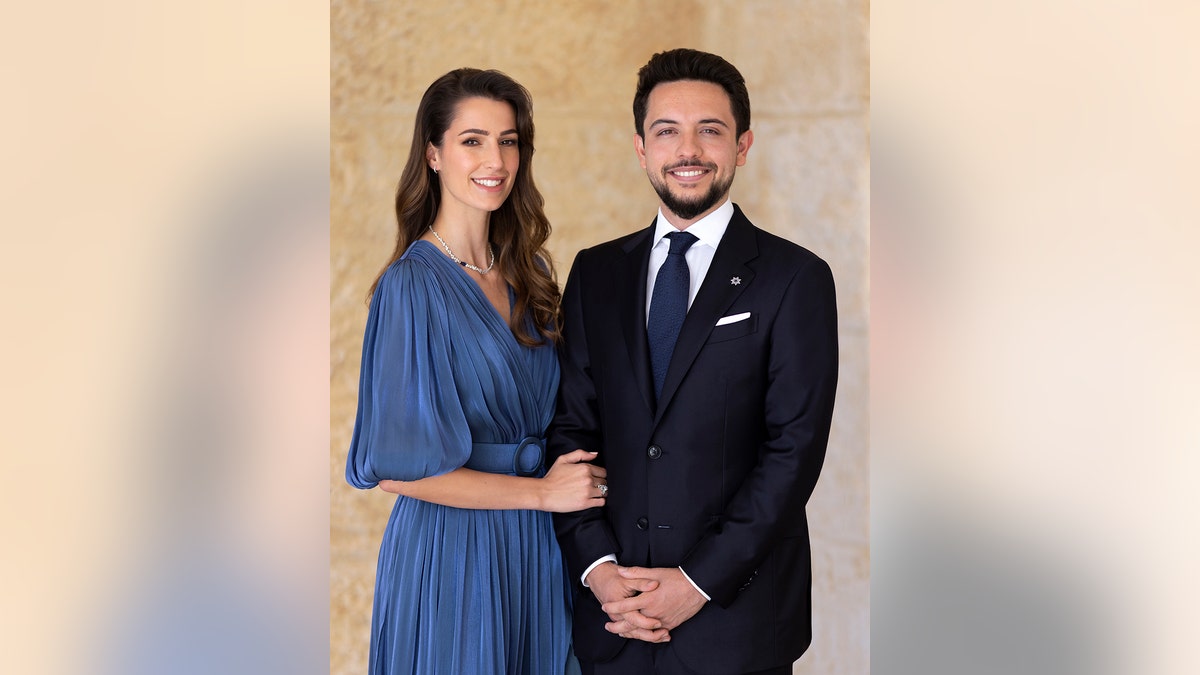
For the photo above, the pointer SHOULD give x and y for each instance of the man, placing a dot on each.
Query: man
(700, 360)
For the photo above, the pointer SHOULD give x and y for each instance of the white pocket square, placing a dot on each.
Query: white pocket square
(733, 318)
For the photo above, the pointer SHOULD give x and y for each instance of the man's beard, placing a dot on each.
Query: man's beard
(689, 208)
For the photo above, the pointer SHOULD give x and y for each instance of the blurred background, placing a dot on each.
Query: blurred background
(806, 67)
(165, 274)
(1034, 337)
(168, 477)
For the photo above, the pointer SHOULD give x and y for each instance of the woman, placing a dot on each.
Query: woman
(458, 381)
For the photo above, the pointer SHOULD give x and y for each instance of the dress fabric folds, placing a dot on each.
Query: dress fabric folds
(457, 590)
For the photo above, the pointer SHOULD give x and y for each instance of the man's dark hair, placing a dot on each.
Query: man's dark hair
(689, 64)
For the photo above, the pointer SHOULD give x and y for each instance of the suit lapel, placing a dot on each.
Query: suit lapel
(738, 247)
(629, 288)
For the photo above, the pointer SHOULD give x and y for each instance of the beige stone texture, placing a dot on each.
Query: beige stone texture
(807, 179)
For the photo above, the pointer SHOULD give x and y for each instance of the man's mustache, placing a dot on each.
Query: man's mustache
(686, 163)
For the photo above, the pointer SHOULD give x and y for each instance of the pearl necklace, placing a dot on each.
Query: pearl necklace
(491, 254)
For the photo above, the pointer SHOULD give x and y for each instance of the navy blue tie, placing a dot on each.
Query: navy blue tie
(668, 307)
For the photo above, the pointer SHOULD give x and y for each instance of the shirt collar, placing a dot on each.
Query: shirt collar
(708, 229)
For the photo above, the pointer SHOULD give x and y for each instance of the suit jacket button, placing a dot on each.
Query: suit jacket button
(643, 523)
(654, 452)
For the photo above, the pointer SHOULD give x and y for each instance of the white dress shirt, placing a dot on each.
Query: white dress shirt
(708, 231)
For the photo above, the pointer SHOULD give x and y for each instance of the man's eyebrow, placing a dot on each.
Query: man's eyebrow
(481, 132)
(711, 120)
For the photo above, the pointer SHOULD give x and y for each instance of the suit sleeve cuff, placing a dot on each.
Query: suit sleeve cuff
(698, 589)
(611, 557)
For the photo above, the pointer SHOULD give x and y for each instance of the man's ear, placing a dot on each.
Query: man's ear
(639, 146)
(743, 146)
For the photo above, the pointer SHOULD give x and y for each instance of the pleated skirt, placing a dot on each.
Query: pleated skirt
(469, 591)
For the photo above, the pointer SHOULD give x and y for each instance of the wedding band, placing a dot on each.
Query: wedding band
(603, 490)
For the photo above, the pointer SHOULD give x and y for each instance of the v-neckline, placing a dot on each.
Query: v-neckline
(479, 289)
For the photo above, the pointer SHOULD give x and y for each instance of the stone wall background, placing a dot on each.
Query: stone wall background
(807, 179)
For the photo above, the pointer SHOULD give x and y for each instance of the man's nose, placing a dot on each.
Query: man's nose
(689, 146)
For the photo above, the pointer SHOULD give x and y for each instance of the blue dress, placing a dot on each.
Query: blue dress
(456, 590)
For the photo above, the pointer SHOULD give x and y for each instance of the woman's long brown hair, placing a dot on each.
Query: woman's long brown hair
(519, 228)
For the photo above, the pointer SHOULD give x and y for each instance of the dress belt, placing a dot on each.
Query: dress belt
(516, 459)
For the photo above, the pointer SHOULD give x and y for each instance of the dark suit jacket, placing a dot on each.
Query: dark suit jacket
(715, 477)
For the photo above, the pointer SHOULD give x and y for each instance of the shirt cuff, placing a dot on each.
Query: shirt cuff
(611, 557)
(698, 589)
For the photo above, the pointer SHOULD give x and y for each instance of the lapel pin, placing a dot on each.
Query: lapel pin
(736, 281)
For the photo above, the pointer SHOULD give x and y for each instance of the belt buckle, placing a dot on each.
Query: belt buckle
(528, 457)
